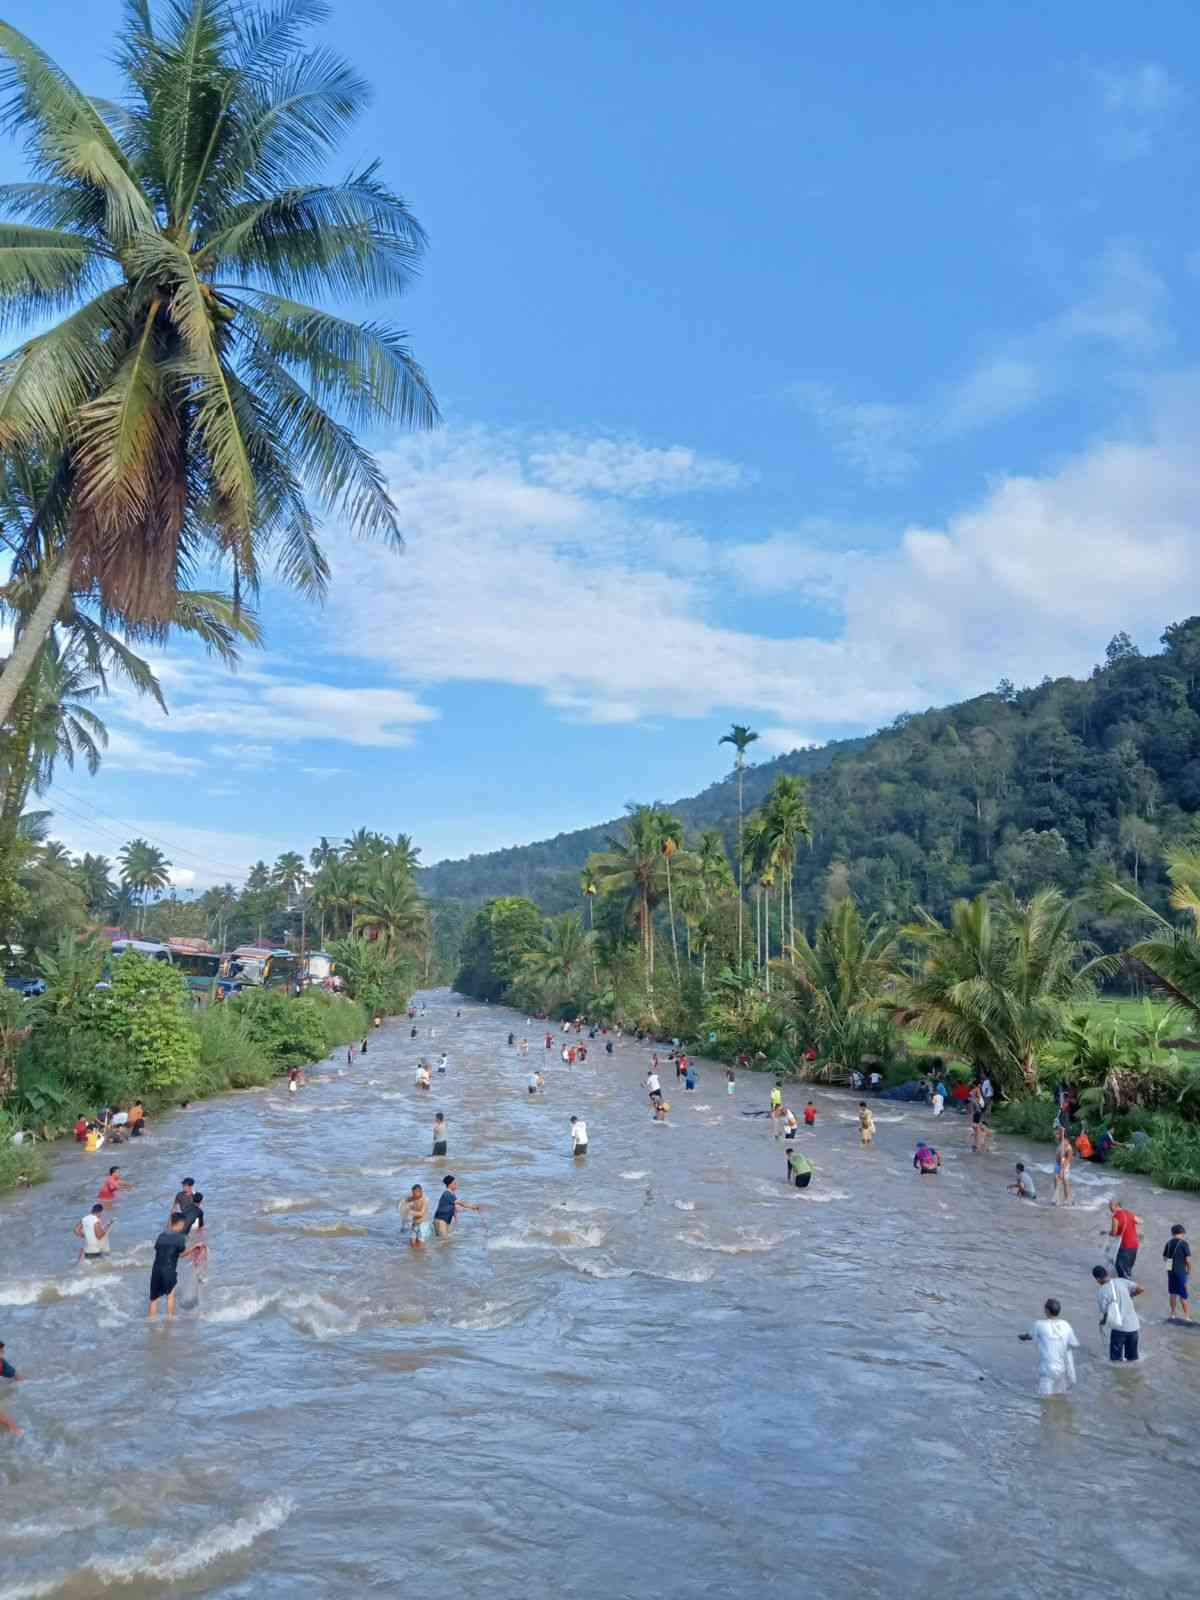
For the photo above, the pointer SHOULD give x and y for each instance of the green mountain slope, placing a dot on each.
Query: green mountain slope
(1069, 783)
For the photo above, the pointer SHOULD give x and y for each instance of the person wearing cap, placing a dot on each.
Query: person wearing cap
(449, 1206)
(579, 1137)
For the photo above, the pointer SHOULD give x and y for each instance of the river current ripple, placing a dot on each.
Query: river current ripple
(658, 1371)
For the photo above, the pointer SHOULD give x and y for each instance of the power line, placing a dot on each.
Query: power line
(90, 815)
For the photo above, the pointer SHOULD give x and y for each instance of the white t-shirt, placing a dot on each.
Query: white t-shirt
(986, 1090)
(120, 1118)
(93, 1243)
(1055, 1339)
(1025, 1185)
(578, 1134)
(1116, 1307)
(652, 1083)
(533, 1080)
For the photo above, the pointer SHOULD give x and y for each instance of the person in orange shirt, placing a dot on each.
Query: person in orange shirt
(137, 1120)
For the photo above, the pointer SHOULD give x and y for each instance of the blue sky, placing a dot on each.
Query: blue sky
(800, 366)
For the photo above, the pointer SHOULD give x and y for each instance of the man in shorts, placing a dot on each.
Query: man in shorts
(170, 1248)
(448, 1207)
(866, 1124)
(579, 1137)
(653, 1086)
(1178, 1256)
(93, 1233)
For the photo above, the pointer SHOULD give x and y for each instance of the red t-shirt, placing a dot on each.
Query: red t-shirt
(108, 1189)
(810, 1115)
(1127, 1222)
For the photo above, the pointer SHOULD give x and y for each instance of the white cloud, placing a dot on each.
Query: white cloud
(183, 877)
(128, 753)
(625, 467)
(1120, 316)
(246, 755)
(781, 741)
(322, 772)
(574, 603)
(1134, 105)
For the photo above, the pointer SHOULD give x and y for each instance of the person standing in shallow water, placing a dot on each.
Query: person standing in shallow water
(439, 1135)
(866, 1124)
(579, 1137)
(1055, 1340)
(170, 1248)
(1118, 1317)
(449, 1206)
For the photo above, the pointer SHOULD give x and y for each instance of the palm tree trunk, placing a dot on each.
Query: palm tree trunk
(671, 914)
(33, 635)
(741, 899)
(18, 753)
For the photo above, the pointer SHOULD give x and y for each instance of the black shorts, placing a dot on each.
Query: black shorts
(161, 1285)
(579, 1150)
(439, 1147)
(655, 1095)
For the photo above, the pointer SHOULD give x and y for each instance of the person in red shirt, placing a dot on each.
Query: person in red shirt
(1124, 1228)
(112, 1186)
(810, 1115)
(81, 1130)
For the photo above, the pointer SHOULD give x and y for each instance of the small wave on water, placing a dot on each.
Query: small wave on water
(599, 1269)
(632, 1177)
(749, 1241)
(685, 1205)
(161, 1563)
(536, 1236)
(367, 1211)
(491, 1314)
(682, 1274)
(45, 1291)
(310, 1313)
(335, 1230)
(285, 1202)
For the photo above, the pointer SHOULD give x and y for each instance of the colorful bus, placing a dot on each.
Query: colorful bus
(319, 970)
(259, 967)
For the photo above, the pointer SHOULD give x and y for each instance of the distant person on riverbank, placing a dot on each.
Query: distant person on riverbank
(439, 1134)
(866, 1124)
(1177, 1253)
(938, 1098)
(799, 1169)
(1023, 1188)
(1124, 1227)
(92, 1231)
(10, 1373)
(448, 1207)
(170, 1248)
(1063, 1153)
(1118, 1318)
(1055, 1340)
(810, 1116)
(926, 1160)
(579, 1137)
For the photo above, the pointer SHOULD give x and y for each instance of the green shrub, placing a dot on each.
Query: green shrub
(1031, 1118)
(293, 1030)
(19, 1163)
(229, 1057)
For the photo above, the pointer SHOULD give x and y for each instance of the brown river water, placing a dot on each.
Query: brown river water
(654, 1372)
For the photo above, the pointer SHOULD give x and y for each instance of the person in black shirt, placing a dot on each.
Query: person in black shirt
(191, 1212)
(170, 1248)
(1178, 1256)
(184, 1197)
(448, 1206)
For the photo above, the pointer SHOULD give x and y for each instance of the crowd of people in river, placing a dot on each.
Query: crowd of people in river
(183, 1236)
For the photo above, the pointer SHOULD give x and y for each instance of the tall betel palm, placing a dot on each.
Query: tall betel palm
(741, 738)
(143, 868)
(191, 399)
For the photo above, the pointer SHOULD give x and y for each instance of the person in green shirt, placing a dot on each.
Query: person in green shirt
(799, 1169)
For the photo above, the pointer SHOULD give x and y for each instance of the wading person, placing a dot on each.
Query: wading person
(1115, 1297)
(1063, 1153)
(112, 1186)
(415, 1210)
(653, 1086)
(1023, 1188)
(1055, 1340)
(8, 1372)
(579, 1137)
(170, 1248)
(927, 1161)
(448, 1208)
(1178, 1256)
(439, 1135)
(92, 1231)
(1124, 1228)
(799, 1169)
(866, 1124)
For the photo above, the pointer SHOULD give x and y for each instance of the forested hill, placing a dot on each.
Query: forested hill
(548, 871)
(1069, 783)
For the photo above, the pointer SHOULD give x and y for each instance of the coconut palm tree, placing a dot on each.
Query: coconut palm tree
(632, 868)
(289, 873)
(333, 893)
(54, 722)
(785, 821)
(554, 967)
(143, 868)
(741, 738)
(1171, 952)
(997, 985)
(834, 986)
(190, 398)
(386, 900)
(94, 873)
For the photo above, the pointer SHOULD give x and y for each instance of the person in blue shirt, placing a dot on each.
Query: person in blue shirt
(448, 1207)
(7, 1370)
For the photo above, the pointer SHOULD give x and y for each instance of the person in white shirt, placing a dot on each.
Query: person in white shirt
(579, 1139)
(1115, 1297)
(93, 1233)
(653, 1087)
(1055, 1340)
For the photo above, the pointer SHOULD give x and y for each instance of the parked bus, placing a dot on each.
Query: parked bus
(200, 969)
(259, 967)
(319, 970)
